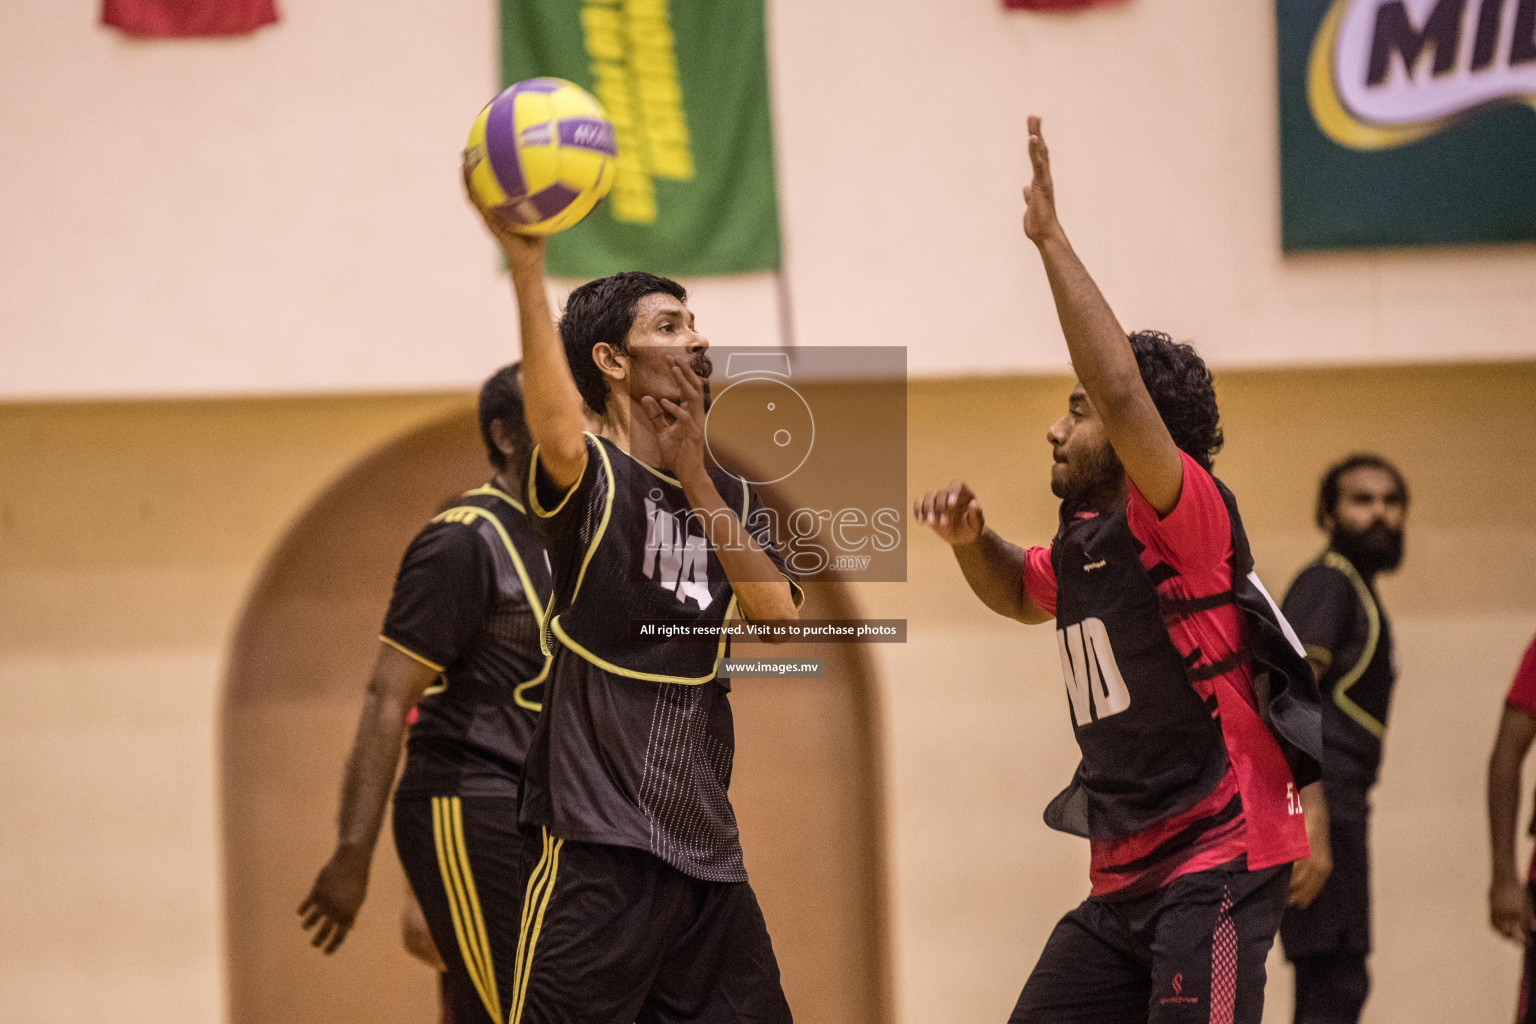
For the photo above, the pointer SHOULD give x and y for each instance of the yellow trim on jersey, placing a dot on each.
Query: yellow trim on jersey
(655, 472)
(608, 666)
(533, 482)
(1363, 718)
(469, 514)
(497, 493)
(553, 622)
(602, 525)
(472, 513)
(651, 677)
(541, 885)
(463, 900)
(517, 692)
(397, 645)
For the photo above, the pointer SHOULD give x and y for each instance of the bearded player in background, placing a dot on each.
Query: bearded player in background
(1194, 709)
(1333, 606)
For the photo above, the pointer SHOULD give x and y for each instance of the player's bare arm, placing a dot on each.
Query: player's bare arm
(1509, 901)
(397, 683)
(556, 417)
(678, 426)
(1309, 873)
(1101, 355)
(992, 566)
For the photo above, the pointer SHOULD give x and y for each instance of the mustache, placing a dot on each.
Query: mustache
(702, 366)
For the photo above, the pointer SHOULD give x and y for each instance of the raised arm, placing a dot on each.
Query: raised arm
(993, 567)
(397, 683)
(552, 404)
(1509, 902)
(1101, 355)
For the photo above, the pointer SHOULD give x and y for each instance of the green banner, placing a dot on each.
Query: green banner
(1407, 122)
(685, 83)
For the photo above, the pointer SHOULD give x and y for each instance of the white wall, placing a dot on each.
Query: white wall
(280, 213)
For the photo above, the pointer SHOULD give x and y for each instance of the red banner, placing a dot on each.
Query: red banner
(1055, 5)
(169, 19)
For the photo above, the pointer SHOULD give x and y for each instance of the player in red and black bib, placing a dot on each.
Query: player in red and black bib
(1192, 704)
(636, 901)
(1343, 625)
(1510, 896)
(460, 661)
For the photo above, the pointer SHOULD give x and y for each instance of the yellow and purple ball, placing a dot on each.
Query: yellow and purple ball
(540, 156)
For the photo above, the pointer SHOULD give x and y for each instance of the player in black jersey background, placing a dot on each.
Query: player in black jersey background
(637, 906)
(460, 659)
(1333, 605)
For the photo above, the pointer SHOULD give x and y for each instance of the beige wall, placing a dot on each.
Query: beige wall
(130, 534)
(280, 213)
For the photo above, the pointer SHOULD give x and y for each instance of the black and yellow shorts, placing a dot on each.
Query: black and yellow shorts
(462, 856)
(611, 935)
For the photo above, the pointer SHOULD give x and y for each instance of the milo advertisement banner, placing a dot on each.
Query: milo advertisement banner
(1407, 121)
(685, 83)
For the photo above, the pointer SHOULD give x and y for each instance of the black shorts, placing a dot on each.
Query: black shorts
(1191, 951)
(1339, 919)
(462, 856)
(612, 935)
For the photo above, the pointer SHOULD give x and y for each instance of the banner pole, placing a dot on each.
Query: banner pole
(786, 307)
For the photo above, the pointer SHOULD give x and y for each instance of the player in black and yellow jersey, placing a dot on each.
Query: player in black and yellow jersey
(460, 659)
(1333, 605)
(637, 906)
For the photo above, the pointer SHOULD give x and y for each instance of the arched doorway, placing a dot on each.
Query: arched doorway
(806, 785)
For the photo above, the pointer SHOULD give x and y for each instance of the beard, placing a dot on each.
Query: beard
(1089, 477)
(1377, 548)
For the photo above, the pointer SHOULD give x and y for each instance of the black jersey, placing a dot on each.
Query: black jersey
(1335, 612)
(1147, 719)
(635, 744)
(468, 602)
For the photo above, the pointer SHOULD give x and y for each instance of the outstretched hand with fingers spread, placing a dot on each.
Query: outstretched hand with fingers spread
(953, 513)
(1040, 221)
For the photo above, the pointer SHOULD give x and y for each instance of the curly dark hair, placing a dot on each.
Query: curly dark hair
(604, 310)
(501, 398)
(1181, 388)
(1328, 490)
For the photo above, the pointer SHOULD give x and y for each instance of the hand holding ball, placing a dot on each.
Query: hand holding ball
(539, 157)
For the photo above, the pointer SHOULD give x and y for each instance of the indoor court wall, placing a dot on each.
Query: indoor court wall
(287, 205)
(131, 535)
